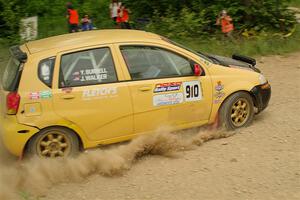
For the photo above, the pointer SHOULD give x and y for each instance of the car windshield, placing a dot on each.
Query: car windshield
(188, 49)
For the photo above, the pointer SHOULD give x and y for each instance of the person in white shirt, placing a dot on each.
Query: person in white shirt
(114, 8)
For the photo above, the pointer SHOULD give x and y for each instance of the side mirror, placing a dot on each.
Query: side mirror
(197, 70)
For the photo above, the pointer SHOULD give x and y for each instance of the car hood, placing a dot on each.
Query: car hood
(234, 63)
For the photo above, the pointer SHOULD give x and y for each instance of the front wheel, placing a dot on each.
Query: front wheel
(237, 111)
(53, 142)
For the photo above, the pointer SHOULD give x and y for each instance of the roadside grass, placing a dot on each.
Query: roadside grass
(261, 45)
(25, 196)
(255, 46)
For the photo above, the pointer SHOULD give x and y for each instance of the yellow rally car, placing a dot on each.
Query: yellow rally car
(77, 91)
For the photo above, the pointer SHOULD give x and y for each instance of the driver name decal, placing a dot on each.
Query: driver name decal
(90, 75)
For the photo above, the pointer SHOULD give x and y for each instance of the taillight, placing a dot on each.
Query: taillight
(12, 103)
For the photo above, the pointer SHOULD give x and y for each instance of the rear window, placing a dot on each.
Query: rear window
(11, 73)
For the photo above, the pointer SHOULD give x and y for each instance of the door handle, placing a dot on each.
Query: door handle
(68, 96)
(144, 89)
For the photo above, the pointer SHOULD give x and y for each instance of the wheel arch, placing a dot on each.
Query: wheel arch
(80, 141)
(246, 91)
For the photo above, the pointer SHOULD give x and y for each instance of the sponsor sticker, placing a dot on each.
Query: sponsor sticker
(219, 87)
(192, 91)
(219, 93)
(167, 87)
(47, 94)
(100, 93)
(34, 95)
(167, 99)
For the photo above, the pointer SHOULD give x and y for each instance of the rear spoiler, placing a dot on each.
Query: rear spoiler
(245, 59)
(18, 53)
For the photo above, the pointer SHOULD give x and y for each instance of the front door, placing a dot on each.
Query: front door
(165, 92)
(91, 96)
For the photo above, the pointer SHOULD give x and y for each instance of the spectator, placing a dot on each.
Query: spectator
(73, 18)
(86, 23)
(124, 17)
(226, 23)
(114, 7)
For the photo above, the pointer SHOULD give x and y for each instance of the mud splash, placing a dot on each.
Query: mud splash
(36, 176)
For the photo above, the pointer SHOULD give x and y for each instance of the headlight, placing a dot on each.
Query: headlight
(262, 79)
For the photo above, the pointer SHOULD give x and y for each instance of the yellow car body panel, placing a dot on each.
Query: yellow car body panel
(15, 135)
(114, 112)
(232, 80)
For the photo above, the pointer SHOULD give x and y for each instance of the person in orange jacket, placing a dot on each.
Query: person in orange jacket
(73, 18)
(125, 17)
(226, 23)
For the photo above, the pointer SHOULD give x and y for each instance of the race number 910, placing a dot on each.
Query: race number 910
(192, 91)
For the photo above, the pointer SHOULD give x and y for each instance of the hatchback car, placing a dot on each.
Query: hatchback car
(76, 91)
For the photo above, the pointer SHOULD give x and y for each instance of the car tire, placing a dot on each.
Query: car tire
(237, 111)
(53, 142)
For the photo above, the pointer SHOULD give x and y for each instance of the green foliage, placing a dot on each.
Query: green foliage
(295, 3)
(9, 19)
(51, 13)
(173, 18)
(201, 15)
(51, 26)
(185, 24)
(98, 11)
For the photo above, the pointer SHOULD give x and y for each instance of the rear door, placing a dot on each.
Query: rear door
(164, 90)
(90, 95)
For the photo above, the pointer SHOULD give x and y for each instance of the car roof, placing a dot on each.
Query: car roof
(89, 38)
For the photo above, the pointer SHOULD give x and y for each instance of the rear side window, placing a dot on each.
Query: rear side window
(11, 74)
(89, 67)
(45, 71)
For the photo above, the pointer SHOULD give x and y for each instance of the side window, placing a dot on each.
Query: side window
(145, 62)
(45, 71)
(89, 67)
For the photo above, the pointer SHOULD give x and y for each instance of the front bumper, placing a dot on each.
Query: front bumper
(262, 95)
(15, 135)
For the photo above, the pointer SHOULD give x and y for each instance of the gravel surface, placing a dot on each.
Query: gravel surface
(258, 162)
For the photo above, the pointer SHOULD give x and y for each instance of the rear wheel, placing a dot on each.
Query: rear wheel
(54, 142)
(237, 111)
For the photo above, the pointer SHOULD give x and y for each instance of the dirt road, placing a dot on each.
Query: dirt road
(259, 162)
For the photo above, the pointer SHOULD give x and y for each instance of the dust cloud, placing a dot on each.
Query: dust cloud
(36, 176)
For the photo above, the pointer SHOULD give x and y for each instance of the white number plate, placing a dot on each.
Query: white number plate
(192, 91)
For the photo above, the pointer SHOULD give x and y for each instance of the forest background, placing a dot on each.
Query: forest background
(261, 26)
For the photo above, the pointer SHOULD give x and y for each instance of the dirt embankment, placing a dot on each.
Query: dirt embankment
(259, 162)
